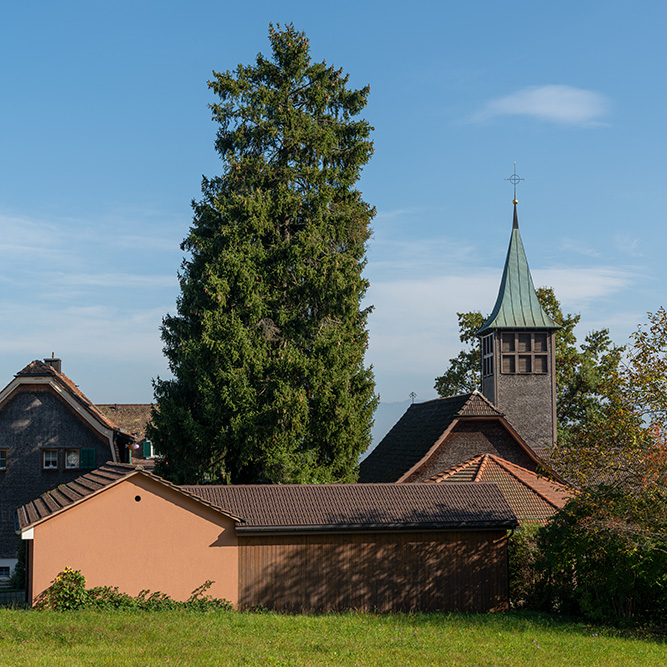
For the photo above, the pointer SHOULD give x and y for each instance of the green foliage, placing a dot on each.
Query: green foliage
(267, 348)
(585, 375)
(68, 592)
(604, 556)
(463, 373)
(606, 552)
(524, 571)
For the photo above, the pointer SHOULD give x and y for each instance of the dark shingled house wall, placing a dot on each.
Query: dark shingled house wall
(30, 421)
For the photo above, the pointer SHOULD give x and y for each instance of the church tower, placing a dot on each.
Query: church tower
(518, 354)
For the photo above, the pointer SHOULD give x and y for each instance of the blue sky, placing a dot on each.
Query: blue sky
(105, 135)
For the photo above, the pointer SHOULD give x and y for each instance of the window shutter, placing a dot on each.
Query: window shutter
(87, 460)
(147, 449)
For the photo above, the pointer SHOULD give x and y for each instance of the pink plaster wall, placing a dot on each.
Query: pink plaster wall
(163, 542)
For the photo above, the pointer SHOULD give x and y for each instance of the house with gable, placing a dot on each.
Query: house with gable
(49, 433)
(504, 432)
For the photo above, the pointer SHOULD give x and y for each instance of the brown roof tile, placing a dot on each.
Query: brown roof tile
(360, 506)
(130, 417)
(417, 431)
(531, 497)
(309, 507)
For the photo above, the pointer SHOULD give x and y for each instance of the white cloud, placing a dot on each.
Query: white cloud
(578, 287)
(414, 328)
(565, 105)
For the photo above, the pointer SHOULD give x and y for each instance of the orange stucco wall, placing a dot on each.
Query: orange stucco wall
(162, 542)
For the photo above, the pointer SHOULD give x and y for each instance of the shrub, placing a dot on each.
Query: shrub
(598, 560)
(68, 591)
(524, 571)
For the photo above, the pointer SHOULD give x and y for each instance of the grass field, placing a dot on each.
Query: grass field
(191, 639)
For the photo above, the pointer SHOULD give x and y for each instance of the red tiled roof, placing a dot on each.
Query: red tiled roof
(531, 497)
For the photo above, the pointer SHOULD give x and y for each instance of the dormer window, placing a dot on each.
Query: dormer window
(524, 353)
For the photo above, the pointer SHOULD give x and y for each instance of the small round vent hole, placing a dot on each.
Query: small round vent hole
(137, 498)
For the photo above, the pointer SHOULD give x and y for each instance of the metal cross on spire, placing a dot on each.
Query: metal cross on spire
(515, 180)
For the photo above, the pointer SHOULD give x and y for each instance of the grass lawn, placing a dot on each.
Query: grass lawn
(227, 638)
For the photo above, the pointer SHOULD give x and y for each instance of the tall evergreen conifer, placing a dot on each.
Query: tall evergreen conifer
(267, 348)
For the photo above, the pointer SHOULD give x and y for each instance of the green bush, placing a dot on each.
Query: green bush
(68, 591)
(598, 559)
(524, 571)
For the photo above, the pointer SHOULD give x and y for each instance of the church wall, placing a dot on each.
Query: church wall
(528, 404)
(469, 438)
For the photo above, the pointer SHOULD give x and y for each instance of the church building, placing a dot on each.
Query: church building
(510, 426)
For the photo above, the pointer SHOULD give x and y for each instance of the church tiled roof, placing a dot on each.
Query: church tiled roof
(532, 498)
(517, 306)
(417, 431)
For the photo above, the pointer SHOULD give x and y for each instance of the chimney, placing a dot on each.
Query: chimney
(56, 364)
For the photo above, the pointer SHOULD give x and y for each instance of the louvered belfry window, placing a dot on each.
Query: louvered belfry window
(524, 353)
(487, 355)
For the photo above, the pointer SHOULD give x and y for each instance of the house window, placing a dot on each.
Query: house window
(3, 459)
(524, 353)
(487, 355)
(72, 458)
(4, 571)
(49, 459)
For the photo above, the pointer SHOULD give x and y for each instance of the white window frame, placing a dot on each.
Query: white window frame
(46, 452)
(76, 451)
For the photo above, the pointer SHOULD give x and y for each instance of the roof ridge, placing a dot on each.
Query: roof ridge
(502, 463)
(480, 396)
(481, 468)
(450, 472)
(443, 398)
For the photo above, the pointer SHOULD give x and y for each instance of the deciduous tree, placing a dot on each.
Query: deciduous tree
(267, 346)
(585, 375)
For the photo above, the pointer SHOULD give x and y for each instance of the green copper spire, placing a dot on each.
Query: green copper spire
(517, 306)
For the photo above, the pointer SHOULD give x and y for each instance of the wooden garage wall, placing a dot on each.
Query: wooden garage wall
(448, 571)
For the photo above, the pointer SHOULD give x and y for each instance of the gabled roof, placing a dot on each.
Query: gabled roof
(531, 497)
(334, 507)
(37, 369)
(66, 495)
(517, 306)
(420, 430)
(306, 507)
